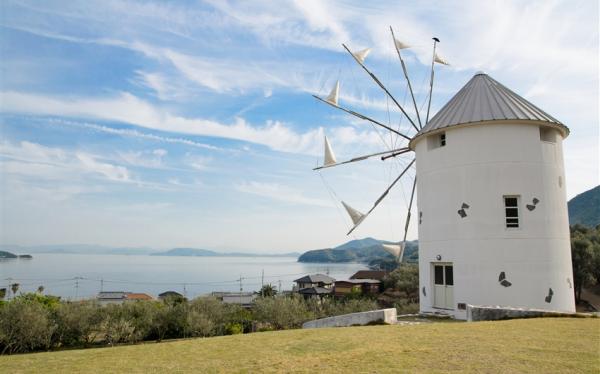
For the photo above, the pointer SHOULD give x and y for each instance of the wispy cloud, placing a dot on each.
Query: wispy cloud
(37, 161)
(281, 193)
(130, 109)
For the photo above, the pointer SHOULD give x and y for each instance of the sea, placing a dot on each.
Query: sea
(82, 276)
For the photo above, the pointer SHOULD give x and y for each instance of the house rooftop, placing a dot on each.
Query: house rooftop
(169, 293)
(138, 296)
(359, 281)
(369, 274)
(112, 295)
(315, 278)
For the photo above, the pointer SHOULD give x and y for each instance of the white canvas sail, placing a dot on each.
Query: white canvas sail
(354, 214)
(361, 55)
(333, 96)
(329, 155)
(440, 60)
(400, 45)
(395, 250)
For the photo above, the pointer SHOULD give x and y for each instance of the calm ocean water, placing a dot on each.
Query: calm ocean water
(193, 276)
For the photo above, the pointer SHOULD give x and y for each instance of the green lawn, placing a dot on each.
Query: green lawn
(551, 345)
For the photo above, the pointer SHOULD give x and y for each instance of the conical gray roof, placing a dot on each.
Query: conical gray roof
(485, 99)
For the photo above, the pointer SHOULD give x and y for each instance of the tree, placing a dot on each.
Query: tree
(282, 312)
(2, 293)
(268, 291)
(14, 287)
(582, 256)
(40, 289)
(405, 279)
(25, 326)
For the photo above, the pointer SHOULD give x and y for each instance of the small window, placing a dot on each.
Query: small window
(439, 274)
(511, 209)
(547, 134)
(436, 141)
(449, 275)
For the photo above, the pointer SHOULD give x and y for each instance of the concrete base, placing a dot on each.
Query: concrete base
(494, 313)
(388, 316)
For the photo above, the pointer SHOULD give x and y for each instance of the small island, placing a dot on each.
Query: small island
(9, 255)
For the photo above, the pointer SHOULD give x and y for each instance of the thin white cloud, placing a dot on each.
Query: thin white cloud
(147, 159)
(130, 109)
(37, 161)
(282, 193)
(134, 133)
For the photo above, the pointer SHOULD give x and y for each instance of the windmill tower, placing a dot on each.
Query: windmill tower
(492, 211)
(491, 198)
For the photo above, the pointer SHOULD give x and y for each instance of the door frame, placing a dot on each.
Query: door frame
(433, 285)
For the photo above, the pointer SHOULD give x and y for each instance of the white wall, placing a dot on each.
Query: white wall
(478, 166)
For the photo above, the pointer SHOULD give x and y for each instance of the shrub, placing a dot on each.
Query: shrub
(77, 323)
(282, 312)
(199, 324)
(25, 326)
(233, 328)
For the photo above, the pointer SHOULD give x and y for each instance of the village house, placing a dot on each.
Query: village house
(111, 297)
(314, 286)
(245, 299)
(119, 297)
(356, 286)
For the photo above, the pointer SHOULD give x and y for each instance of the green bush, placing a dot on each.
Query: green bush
(282, 312)
(77, 323)
(25, 326)
(233, 328)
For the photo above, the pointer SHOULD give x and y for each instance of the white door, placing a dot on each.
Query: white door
(443, 286)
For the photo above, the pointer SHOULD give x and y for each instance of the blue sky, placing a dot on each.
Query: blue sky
(163, 124)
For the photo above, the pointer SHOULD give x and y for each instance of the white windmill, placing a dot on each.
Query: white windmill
(493, 223)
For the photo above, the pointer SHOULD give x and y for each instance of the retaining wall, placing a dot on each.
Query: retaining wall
(494, 313)
(362, 318)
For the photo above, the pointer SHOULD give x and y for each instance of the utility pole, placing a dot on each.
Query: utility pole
(184, 291)
(8, 289)
(77, 287)
(101, 284)
(262, 283)
(279, 286)
(241, 289)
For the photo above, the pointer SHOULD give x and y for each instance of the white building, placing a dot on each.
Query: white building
(492, 211)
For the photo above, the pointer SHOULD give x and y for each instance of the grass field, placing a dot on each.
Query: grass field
(552, 345)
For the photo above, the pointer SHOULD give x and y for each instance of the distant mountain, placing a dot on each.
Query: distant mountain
(209, 253)
(584, 209)
(79, 249)
(368, 250)
(187, 252)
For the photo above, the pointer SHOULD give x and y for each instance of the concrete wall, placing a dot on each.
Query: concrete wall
(494, 313)
(478, 166)
(361, 318)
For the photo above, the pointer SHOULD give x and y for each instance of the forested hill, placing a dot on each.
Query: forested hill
(584, 209)
(366, 250)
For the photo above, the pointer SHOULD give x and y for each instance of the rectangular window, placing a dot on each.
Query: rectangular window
(511, 209)
(442, 139)
(449, 275)
(439, 274)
